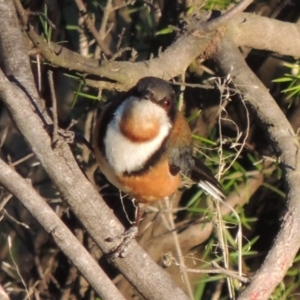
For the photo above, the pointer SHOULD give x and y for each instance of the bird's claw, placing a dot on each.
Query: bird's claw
(126, 237)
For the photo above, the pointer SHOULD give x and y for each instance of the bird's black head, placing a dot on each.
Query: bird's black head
(159, 92)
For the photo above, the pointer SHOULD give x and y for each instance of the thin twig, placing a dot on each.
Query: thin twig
(121, 35)
(15, 220)
(194, 85)
(120, 52)
(107, 10)
(39, 73)
(55, 136)
(219, 270)
(21, 160)
(16, 266)
(4, 201)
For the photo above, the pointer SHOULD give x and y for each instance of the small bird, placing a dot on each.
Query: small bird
(144, 147)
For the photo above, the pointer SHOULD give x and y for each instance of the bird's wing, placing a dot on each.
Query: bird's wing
(181, 160)
(202, 175)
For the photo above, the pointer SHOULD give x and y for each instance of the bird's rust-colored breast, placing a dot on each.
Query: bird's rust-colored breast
(153, 185)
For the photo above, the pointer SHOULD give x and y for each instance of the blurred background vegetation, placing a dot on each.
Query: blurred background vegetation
(227, 138)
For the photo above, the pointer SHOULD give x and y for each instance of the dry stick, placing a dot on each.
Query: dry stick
(107, 10)
(39, 73)
(54, 108)
(65, 240)
(278, 128)
(16, 66)
(223, 244)
(17, 267)
(21, 160)
(219, 270)
(251, 30)
(4, 201)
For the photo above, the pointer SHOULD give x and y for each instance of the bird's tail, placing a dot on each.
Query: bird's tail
(202, 175)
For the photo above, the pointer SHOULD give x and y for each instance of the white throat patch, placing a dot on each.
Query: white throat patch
(125, 155)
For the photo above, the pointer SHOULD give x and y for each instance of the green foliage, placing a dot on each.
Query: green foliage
(47, 29)
(293, 81)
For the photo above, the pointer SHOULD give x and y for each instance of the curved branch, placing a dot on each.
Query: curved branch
(225, 17)
(277, 127)
(263, 33)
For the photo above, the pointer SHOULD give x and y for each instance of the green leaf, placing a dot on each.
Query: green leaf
(194, 115)
(88, 96)
(166, 30)
(202, 139)
(72, 27)
(282, 79)
(274, 189)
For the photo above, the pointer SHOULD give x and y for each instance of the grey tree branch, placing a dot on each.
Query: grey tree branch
(16, 66)
(263, 33)
(284, 140)
(225, 17)
(63, 237)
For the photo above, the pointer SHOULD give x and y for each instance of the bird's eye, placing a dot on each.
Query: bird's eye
(166, 104)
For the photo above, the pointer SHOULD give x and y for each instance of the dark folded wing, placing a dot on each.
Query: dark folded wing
(202, 175)
(181, 160)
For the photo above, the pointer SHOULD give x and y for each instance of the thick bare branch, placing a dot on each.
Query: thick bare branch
(277, 127)
(16, 65)
(263, 33)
